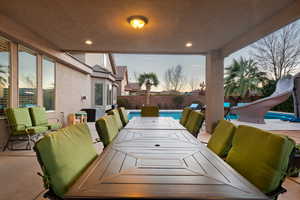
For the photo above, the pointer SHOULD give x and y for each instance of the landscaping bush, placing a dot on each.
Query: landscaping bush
(178, 101)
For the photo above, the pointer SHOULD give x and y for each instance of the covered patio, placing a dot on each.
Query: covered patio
(61, 29)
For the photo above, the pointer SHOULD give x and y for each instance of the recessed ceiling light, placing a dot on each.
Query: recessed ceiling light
(188, 44)
(88, 42)
(137, 21)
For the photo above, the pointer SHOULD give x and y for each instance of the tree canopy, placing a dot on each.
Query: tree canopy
(278, 54)
(148, 79)
(174, 79)
(243, 78)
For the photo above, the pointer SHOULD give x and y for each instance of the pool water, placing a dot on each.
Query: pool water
(177, 115)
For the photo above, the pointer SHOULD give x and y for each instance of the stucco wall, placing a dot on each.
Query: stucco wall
(71, 86)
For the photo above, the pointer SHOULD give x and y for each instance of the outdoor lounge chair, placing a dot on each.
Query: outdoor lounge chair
(261, 157)
(63, 156)
(123, 115)
(185, 115)
(221, 139)
(254, 112)
(116, 115)
(107, 129)
(150, 111)
(39, 118)
(194, 106)
(194, 122)
(21, 127)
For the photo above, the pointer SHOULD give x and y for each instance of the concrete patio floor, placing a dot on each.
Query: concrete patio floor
(19, 179)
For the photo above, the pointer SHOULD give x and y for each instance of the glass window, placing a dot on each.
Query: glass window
(99, 94)
(48, 84)
(4, 73)
(27, 77)
(109, 94)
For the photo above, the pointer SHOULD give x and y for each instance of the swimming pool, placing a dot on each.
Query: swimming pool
(177, 115)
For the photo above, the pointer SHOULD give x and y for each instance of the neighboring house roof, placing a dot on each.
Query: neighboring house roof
(98, 68)
(122, 73)
(133, 87)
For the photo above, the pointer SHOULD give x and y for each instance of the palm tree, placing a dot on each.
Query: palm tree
(243, 78)
(148, 79)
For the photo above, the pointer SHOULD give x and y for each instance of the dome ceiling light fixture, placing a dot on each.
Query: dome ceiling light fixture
(189, 44)
(137, 21)
(88, 42)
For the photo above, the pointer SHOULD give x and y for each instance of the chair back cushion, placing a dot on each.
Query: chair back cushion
(116, 115)
(150, 111)
(123, 115)
(38, 116)
(221, 140)
(184, 116)
(194, 122)
(19, 119)
(107, 129)
(64, 155)
(260, 156)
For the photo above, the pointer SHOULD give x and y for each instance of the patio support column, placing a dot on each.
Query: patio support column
(214, 89)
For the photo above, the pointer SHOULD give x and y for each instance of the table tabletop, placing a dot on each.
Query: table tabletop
(167, 123)
(160, 164)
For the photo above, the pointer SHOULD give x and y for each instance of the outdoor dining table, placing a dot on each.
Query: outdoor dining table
(160, 164)
(167, 123)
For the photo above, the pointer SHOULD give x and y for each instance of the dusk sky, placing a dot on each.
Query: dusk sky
(193, 65)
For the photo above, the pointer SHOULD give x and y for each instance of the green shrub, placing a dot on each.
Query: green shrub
(178, 101)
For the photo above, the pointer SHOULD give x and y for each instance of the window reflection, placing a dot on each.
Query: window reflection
(27, 77)
(4, 73)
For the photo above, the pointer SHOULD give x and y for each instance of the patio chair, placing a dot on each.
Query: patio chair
(227, 106)
(194, 106)
(184, 116)
(221, 139)
(21, 128)
(107, 129)
(115, 114)
(261, 157)
(194, 122)
(150, 111)
(39, 118)
(123, 115)
(63, 156)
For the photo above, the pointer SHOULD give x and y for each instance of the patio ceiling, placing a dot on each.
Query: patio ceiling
(208, 24)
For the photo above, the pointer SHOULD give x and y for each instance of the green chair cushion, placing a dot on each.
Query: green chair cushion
(185, 114)
(115, 114)
(54, 126)
(260, 156)
(18, 118)
(38, 116)
(194, 122)
(64, 155)
(221, 140)
(107, 129)
(124, 116)
(150, 111)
